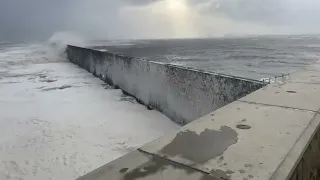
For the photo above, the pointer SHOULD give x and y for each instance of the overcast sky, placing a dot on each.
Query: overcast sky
(23, 20)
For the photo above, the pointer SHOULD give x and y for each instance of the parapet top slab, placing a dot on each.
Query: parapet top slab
(239, 141)
(141, 166)
(287, 95)
(310, 74)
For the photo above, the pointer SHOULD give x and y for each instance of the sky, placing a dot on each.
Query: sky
(29, 20)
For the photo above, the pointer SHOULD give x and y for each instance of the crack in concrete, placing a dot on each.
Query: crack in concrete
(180, 164)
(285, 107)
(299, 82)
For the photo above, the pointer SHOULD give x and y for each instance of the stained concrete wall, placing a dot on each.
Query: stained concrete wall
(180, 93)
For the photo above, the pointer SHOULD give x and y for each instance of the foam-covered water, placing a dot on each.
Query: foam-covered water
(250, 57)
(58, 121)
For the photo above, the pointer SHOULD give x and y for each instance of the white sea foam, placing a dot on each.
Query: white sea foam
(67, 38)
(59, 122)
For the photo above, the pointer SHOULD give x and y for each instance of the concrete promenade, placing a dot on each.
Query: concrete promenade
(267, 135)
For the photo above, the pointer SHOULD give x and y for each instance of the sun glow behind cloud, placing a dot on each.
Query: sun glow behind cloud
(180, 19)
(162, 19)
(179, 16)
(176, 5)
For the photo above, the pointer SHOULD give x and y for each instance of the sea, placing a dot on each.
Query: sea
(59, 122)
(254, 57)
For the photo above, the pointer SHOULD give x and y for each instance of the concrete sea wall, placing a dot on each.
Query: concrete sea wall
(182, 94)
(270, 134)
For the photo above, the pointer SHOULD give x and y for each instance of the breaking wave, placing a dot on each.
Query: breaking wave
(53, 50)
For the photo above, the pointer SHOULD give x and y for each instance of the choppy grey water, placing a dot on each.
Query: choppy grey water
(250, 57)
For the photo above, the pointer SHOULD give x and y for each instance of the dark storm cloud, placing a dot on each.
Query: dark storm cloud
(31, 19)
(23, 20)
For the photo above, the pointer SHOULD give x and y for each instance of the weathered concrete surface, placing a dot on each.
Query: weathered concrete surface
(271, 134)
(182, 94)
(141, 166)
(294, 95)
(239, 153)
(253, 138)
(303, 160)
(309, 164)
(307, 75)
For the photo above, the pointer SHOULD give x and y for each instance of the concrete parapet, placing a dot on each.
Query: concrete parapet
(267, 135)
(183, 94)
(272, 133)
(238, 141)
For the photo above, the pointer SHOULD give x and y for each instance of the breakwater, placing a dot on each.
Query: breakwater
(183, 94)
